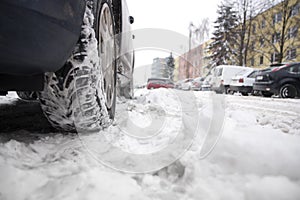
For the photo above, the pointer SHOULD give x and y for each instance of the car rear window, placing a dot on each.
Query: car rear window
(253, 74)
(294, 69)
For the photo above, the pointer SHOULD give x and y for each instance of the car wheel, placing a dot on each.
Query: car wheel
(288, 91)
(245, 94)
(83, 93)
(225, 90)
(266, 94)
(107, 52)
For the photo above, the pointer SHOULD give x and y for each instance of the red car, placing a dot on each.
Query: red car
(159, 83)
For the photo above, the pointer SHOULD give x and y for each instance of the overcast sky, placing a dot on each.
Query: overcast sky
(174, 15)
(171, 14)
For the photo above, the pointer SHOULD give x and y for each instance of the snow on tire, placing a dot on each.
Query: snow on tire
(73, 97)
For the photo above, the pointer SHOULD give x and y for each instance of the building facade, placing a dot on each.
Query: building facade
(159, 68)
(190, 64)
(275, 35)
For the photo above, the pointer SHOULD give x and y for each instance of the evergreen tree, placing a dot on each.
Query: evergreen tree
(171, 65)
(224, 37)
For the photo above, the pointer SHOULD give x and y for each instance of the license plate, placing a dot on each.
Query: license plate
(259, 78)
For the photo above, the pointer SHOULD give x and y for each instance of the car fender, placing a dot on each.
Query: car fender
(289, 81)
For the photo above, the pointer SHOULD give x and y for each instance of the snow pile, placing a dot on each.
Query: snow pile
(58, 167)
(256, 158)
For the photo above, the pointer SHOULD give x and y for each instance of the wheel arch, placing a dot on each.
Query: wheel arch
(289, 81)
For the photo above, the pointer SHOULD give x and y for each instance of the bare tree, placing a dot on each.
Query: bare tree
(246, 10)
(202, 30)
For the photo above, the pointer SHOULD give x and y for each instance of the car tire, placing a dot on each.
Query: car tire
(288, 91)
(76, 97)
(225, 90)
(245, 94)
(266, 94)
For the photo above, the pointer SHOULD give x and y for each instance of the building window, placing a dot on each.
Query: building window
(295, 10)
(277, 17)
(262, 42)
(274, 57)
(291, 54)
(275, 37)
(252, 61)
(292, 32)
(253, 28)
(253, 45)
(261, 60)
(263, 23)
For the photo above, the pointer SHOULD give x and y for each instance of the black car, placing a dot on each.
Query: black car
(279, 79)
(69, 53)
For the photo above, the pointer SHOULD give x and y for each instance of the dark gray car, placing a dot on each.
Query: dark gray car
(69, 54)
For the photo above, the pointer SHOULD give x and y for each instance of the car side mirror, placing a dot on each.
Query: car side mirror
(131, 19)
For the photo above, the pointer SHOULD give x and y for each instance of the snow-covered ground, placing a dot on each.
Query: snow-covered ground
(257, 156)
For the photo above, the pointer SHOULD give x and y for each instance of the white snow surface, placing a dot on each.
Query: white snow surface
(257, 156)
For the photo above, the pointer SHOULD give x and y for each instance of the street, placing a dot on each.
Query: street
(256, 155)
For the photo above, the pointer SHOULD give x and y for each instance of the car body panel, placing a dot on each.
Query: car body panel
(38, 36)
(243, 82)
(221, 76)
(154, 83)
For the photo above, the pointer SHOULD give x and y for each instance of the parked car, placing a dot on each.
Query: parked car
(154, 83)
(64, 50)
(186, 84)
(178, 84)
(243, 81)
(206, 85)
(282, 80)
(196, 83)
(222, 75)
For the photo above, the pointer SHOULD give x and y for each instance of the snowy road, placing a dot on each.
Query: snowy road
(257, 156)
